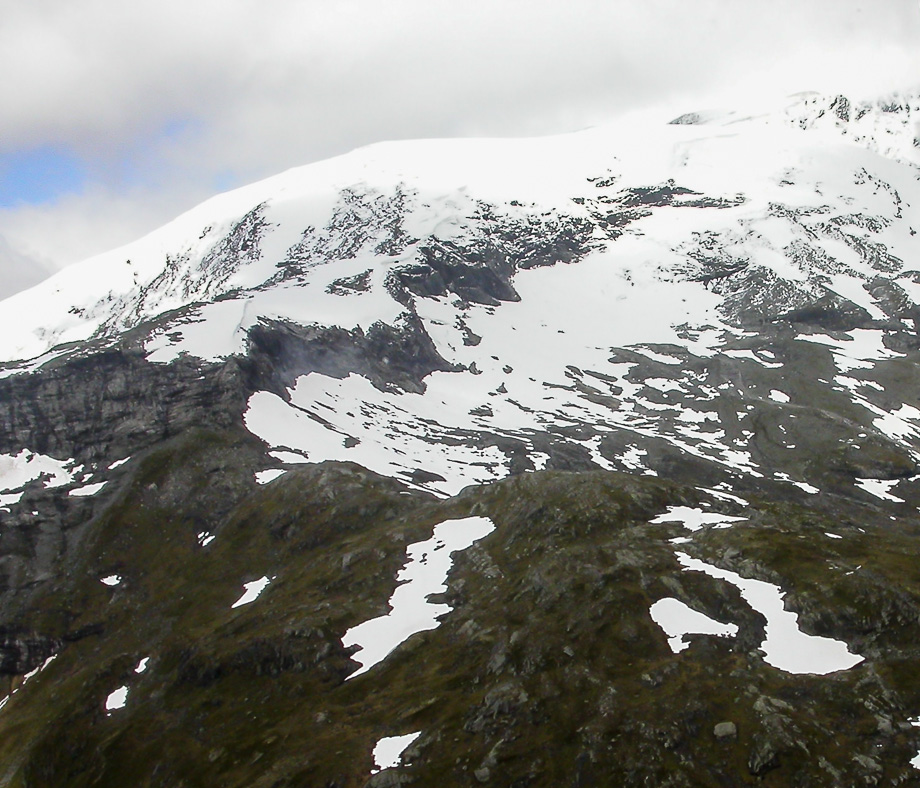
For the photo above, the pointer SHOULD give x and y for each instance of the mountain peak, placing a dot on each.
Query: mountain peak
(888, 125)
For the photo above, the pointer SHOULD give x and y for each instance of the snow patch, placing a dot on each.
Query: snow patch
(264, 477)
(389, 750)
(785, 477)
(87, 489)
(424, 574)
(678, 620)
(785, 646)
(724, 496)
(116, 700)
(16, 471)
(915, 761)
(8, 499)
(252, 592)
(289, 457)
(35, 671)
(27, 678)
(693, 519)
(383, 435)
(880, 488)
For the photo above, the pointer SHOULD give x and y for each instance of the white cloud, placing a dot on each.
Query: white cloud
(96, 74)
(78, 226)
(20, 271)
(166, 99)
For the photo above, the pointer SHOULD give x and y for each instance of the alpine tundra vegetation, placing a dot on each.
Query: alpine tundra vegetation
(572, 461)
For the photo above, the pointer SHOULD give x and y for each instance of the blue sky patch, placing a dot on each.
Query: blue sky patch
(225, 180)
(38, 176)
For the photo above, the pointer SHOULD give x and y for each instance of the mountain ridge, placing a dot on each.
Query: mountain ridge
(383, 161)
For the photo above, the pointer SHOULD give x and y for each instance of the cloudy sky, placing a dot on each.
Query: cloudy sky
(115, 117)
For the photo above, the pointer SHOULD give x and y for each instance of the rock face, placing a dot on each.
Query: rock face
(686, 402)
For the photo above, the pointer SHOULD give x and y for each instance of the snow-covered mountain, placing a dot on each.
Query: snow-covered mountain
(685, 236)
(704, 333)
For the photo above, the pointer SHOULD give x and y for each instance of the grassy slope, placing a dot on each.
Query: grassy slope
(548, 672)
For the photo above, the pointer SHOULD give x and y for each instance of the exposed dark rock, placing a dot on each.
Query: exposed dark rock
(21, 652)
(445, 269)
(359, 283)
(387, 778)
(390, 357)
(206, 279)
(725, 730)
(764, 755)
(114, 403)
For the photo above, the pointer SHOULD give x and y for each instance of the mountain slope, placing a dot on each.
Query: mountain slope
(675, 371)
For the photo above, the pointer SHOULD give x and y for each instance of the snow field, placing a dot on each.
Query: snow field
(388, 751)
(424, 574)
(785, 646)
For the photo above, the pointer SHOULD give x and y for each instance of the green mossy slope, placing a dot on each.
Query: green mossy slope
(549, 671)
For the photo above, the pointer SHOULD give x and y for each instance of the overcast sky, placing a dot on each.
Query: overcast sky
(116, 116)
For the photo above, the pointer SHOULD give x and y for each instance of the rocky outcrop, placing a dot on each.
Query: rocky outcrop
(21, 651)
(107, 405)
(392, 357)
